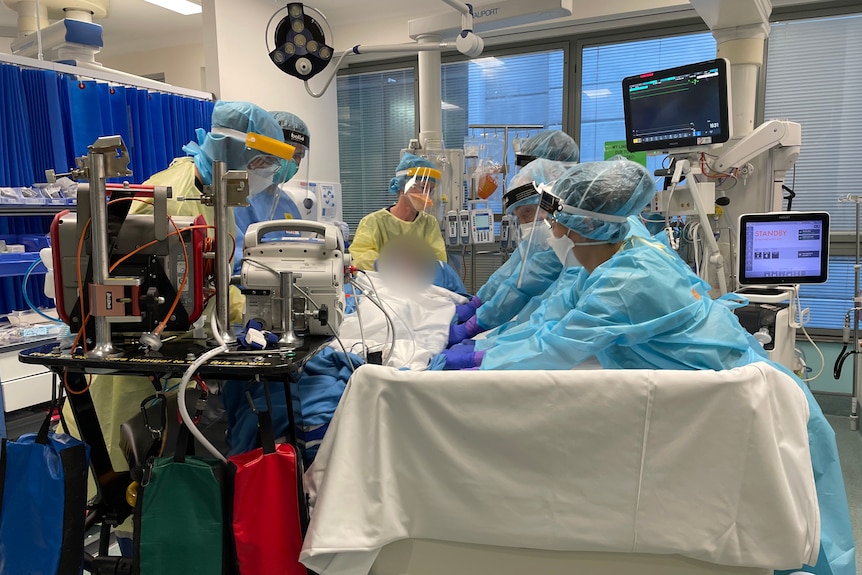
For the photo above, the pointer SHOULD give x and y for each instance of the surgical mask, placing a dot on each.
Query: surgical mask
(420, 201)
(287, 170)
(540, 230)
(562, 246)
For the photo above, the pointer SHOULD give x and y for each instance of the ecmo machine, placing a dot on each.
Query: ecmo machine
(293, 277)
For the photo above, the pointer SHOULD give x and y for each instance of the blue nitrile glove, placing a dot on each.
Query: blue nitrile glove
(458, 332)
(462, 359)
(465, 310)
(466, 345)
(255, 337)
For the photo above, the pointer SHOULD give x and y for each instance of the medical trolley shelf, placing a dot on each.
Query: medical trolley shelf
(16, 264)
(171, 361)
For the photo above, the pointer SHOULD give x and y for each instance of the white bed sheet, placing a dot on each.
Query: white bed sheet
(709, 465)
(421, 321)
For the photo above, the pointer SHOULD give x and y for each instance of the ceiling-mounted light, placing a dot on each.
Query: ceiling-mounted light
(300, 38)
(183, 7)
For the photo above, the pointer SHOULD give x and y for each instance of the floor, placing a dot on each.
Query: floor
(850, 452)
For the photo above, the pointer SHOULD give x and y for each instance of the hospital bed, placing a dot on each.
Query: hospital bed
(596, 471)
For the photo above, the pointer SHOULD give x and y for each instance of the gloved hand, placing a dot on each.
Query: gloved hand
(458, 332)
(466, 345)
(465, 310)
(462, 359)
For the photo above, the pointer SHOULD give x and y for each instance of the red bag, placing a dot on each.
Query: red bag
(268, 508)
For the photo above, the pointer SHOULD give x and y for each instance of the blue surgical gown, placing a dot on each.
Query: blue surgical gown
(562, 281)
(446, 277)
(505, 293)
(645, 309)
(271, 204)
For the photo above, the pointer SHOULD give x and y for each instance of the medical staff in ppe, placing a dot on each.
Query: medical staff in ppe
(636, 305)
(415, 182)
(549, 144)
(118, 398)
(268, 197)
(531, 269)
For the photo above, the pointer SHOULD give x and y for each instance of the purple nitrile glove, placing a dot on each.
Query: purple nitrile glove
(458, 332)
(465, 310)
(462, 359)
(466, 345)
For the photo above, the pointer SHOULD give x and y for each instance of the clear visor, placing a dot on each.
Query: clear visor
(421, 187)
(263, 165)
(538, 233)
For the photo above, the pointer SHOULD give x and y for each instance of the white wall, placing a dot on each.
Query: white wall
(181, 65)
(4, 45)
(238, 68)
(587, 16)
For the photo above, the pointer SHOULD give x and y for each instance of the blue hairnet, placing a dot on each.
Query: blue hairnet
(539, 171)
(408, 161)
(615, 187)
(240, 116)
(293, 123)
(551, 145)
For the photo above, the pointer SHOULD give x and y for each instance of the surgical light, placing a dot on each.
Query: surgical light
(300, 41)
(183, 7)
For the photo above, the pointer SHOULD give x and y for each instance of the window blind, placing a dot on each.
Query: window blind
(813, 77)
(513, 90)
(376, 120)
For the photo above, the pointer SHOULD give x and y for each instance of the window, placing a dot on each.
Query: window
(516, 90)
(377, 115)
(602, 71)
(376, 120)
(813, 77)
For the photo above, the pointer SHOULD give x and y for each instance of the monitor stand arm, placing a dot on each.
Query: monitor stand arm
(683, 170)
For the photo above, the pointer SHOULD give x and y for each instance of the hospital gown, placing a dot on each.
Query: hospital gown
(562, 281)
(377, 228)
(645, 309)
(506, 293)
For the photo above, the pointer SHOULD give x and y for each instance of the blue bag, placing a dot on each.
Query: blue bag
(43, 499)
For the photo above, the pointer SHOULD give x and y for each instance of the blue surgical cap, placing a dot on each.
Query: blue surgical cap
(294, 129)
(616, 187)
(242, 117)
(539, 171)
(408, 160)
(551, 145)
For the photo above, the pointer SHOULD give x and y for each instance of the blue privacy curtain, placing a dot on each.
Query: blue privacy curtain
(47, 119)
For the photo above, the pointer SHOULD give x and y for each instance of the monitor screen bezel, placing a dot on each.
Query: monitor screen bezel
(686, 143)
(773, 217)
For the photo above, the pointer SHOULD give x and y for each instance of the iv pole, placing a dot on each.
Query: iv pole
(857, 307)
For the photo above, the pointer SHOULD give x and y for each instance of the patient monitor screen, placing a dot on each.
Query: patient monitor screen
(678, 107)
(784, 248)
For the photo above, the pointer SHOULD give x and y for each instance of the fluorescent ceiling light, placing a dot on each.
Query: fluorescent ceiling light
(600, 93)
(183, 7)
(448, 106)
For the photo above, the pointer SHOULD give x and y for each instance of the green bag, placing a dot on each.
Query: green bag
(179, 515)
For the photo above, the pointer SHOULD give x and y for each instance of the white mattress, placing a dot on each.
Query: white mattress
(713, 466)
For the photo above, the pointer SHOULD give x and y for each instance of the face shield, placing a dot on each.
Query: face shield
(555, 207)
(292, 181)
(421, 188)
(259, 156)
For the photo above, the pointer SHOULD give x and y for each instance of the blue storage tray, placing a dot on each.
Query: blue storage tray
(17, 264)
